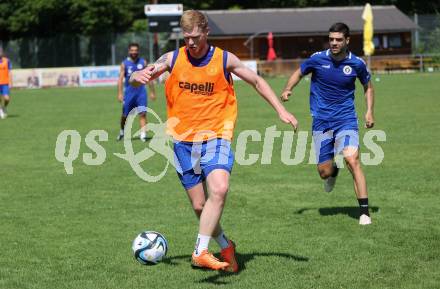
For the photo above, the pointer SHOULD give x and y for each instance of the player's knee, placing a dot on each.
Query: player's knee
(219, 192)
(353, 163)
(325, 173)
(198, 207)
(325, 169)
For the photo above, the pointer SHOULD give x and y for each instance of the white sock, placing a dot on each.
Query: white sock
(222, 241)
(143, 134)
(202, 244)
(121, 132)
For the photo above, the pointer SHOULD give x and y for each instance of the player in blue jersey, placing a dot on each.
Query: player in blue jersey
(130, 96)
(335, 126)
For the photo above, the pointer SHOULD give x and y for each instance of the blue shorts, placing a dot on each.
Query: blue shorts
(137, 100)
(194, 161)
(331, 137)
(4, 89)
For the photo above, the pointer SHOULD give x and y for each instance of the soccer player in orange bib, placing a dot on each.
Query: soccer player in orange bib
(202, 107)
(5, 82)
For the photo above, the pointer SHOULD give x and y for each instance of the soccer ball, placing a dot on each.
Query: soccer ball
(149, 247)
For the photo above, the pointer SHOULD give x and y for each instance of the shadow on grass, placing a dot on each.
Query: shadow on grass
(352, 212)
(13, 115)
(219, 277)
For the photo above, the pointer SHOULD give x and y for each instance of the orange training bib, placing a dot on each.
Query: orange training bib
(201, 103)
(4, 71)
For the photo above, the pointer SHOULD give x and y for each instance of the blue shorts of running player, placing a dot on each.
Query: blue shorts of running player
(195, 161)
(4, 89)
(332, 137)
(134, 100)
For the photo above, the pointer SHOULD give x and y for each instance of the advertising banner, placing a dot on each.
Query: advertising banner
(99, 75)
(61, 77)
(26, 78)
(78, 76)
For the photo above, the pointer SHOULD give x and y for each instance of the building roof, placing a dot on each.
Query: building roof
(304, 20)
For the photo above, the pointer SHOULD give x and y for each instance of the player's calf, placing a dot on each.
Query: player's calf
(360, 184)
(121, 131)
(4, 100)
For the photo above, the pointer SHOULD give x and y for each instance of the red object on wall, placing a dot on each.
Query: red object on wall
(271, 55)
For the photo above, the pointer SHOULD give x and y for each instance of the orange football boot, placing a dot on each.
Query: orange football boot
(228, 255)
(207, 260)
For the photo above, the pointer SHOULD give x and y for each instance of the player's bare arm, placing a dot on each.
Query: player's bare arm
(152, 71)
(152, 91)
(369, 98)
(294, 79)
(234, 65)
(151, 88)
(120, 83)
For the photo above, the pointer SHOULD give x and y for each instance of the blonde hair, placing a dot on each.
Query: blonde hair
(192, 18)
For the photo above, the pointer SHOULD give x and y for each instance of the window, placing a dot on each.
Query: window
(385, 41)
(376, 41)
(395, 41)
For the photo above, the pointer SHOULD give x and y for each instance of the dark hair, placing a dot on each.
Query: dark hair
(340, 27)
(133, 44)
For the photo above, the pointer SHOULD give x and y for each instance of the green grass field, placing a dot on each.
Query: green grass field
(75, 231)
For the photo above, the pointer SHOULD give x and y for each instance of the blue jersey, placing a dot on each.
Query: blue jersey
(129, 68)
(333, 84)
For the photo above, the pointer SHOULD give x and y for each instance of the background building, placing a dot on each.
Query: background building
(300, 32)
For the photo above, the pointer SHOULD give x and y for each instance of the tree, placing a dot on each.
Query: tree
(42, 18)
(431, 41)
(48, 23)
(407, 6)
